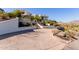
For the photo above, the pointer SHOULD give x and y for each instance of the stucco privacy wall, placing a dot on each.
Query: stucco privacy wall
(9, 26)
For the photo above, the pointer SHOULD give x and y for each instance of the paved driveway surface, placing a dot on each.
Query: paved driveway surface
(40, 39)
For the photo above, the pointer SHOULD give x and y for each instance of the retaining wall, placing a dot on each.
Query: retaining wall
(11, 25)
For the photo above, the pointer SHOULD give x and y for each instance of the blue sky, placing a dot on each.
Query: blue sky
(59, 14)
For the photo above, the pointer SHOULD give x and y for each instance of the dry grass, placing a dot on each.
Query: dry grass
(70, 31)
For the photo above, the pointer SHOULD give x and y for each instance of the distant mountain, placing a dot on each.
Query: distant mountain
(75, 21)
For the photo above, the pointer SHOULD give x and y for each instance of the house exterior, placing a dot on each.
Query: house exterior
(12, 25)
(26, 17)
(44, 17)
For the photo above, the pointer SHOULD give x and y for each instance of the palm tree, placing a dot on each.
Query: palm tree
(37, 20)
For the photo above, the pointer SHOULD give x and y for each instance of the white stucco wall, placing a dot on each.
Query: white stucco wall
(9, 26)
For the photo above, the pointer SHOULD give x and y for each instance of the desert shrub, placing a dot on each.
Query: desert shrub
(4, 16)
(11, 15)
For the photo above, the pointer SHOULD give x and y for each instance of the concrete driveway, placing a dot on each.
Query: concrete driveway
(40, 39)
(73, 45)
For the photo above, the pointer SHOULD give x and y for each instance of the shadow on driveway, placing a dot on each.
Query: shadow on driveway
(15, 33)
